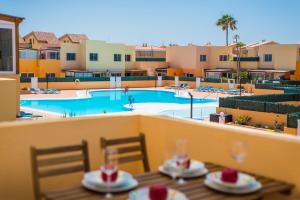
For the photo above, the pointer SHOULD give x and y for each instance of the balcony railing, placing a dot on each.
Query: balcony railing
(247, 59)
(150, 59)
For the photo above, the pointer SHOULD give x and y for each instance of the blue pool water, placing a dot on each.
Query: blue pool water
(107, 101)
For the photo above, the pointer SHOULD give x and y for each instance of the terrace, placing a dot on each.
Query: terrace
(206, 142)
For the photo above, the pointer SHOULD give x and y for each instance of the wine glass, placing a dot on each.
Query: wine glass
(238, 151)
(110, 169)
(181, 159)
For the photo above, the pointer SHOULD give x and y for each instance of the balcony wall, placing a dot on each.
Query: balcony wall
(270, 155)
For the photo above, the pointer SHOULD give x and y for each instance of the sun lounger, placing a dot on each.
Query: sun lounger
(23, 114)
(35, 90)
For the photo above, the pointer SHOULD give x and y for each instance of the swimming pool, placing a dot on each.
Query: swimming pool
(107, 101)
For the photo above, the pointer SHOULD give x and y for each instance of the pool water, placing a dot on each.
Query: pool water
(107, 101)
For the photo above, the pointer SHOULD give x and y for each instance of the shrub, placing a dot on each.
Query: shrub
(243, 120)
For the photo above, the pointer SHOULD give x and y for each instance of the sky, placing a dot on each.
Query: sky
(160, 22)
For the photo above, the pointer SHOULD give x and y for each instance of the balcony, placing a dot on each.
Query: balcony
(150, 59)
(275, 156)
(247, 59)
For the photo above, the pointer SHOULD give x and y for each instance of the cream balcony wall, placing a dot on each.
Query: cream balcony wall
(269, 154)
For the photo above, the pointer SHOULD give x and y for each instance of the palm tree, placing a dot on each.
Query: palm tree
(236, 37)
(227, 22)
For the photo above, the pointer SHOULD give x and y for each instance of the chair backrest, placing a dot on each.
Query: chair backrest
(129, 149)
(48, 162)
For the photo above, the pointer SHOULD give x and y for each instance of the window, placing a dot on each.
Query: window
(127, 58)
(100, 74)
(115, 74)
(27, 75)
(71, 56)
(117, 57)
(223, 58)
(6, 50)
(54, 55)
(188, 75)
(93, 57)
(202, 58)
(268, 57)
(50, 75)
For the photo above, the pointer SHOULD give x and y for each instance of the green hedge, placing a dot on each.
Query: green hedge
(138, 78)
(212, 80)
(266, 103)
(183, 78)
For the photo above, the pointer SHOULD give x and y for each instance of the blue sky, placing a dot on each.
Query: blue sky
(160, 21)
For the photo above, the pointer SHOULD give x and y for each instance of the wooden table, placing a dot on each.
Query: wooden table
(194, 188)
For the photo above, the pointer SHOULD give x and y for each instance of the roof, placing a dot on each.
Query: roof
(21, 40)
(149, 48)
(47, 39)
(257, 44)
(11, 18)
(75, 38)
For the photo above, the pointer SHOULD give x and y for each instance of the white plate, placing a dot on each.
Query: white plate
(199, 173)
(143, 194)
(253, 188)
(195, 166)
(94, 178)
(129, 184)
(244, 180)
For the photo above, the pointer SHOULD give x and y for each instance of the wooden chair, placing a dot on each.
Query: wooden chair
(129, 149)
(56, 161)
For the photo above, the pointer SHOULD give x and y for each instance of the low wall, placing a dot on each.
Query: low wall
(17, 86)
(266, 91)
(132, 84)
(262, 118)
(8, 100)
(16, 139)
(268, 154)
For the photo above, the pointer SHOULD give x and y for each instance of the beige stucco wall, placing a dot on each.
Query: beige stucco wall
(150, 66)
(71, 48)
(285, 56)
(206, 142)
(8, 100)
(106, 53)
(215, 52)
(262, 118)
(188, 58)
(16, 77)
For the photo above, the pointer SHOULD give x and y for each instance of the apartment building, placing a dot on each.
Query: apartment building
(92, 58)
(151, 60)
(263, 60)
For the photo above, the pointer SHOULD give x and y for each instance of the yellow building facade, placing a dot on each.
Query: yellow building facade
(99, 58)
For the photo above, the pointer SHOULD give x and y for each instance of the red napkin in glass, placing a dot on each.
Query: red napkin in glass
(158, 192)
(113, 177)
(229, 175)
(187, 162)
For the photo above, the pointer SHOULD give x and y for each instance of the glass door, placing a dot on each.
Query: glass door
(6, 53)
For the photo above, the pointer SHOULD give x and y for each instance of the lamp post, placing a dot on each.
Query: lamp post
(191, 102)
